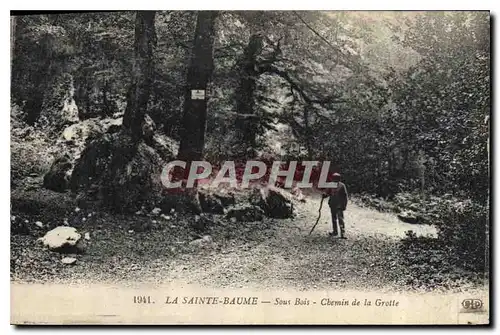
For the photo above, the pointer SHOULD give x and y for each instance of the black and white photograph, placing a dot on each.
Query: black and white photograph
(250, 167)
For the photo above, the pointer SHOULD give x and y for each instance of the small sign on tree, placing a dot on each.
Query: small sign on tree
(197, 94)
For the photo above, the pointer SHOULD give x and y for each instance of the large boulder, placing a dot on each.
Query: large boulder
(196, 201)
(79, 132)
(181, 201)
(57, 178)
(226, 198)
(69, 147)
(121, 174)
(245, 213)
(62, 239)
(275, 202)
(75, 137)
(210, 203)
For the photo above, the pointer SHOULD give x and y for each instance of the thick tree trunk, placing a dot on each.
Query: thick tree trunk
(246, 124)
(138, 95)
(198, 76)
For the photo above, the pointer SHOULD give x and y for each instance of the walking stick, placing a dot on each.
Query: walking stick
(319, 216)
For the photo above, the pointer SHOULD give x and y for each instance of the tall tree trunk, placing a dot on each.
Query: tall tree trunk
(143, 71)
(198, 76)
(246, 123)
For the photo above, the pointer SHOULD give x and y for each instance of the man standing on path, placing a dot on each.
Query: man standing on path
(338, 204)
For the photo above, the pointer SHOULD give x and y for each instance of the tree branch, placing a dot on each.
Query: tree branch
(274, 55)
(315, 32)
(337, 50)
(296, 87)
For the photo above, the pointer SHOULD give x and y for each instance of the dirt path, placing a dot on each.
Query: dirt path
(274, 254)
(368, 259)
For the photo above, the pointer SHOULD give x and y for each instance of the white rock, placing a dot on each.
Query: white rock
(90, 214)
(156, 211)
(207, 239)
(77, 209)
(86, 236)
(68, 260)
(130, 231)
(172, 210)
(69, 133)
(197, 242)
(201, 242)
(167, 217)
(39, 224)
(138, 213)
(12, 218)
(61, 236)
(84, 219)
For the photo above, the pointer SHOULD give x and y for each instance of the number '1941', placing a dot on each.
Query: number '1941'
(143, 299)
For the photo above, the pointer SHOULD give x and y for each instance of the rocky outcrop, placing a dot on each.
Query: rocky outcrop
(245, 213)
(210, 203)
(121, 174)
(57, 178)
(275, 202)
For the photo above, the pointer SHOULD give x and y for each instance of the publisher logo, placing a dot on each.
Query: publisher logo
(472, 306)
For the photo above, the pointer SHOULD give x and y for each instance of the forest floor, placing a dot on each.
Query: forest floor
(270, 254)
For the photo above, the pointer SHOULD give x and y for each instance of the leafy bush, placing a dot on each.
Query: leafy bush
(380, 204)
(464, 229)
(462, 225)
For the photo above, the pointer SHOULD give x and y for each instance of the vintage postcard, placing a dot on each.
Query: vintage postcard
(250, 167)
